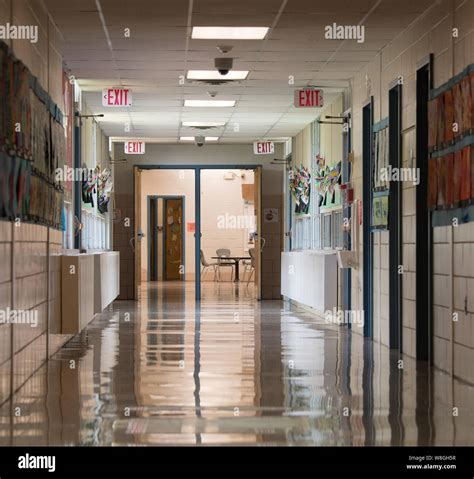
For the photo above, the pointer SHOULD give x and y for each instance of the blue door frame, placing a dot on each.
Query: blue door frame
(183, 232)
(197, 195)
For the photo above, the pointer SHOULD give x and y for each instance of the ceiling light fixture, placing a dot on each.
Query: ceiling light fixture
(206, 124)
(210, 103)
(229, 33)
(191, 138)
(215, 75)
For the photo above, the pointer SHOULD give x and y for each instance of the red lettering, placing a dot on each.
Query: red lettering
(301, 97)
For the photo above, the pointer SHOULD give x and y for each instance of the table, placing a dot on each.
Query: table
(236, 260)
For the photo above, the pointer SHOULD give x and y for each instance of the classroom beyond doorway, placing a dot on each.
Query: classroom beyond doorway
(221, 217)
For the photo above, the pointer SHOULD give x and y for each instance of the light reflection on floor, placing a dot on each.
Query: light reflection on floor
(231, 371)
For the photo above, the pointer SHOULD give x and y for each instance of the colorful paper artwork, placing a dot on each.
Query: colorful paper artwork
(432, 183)
(449, 115)
(465, 176)
(450, 138)
(326, 179)
(300, 188)
(32, 146)
(432, 123)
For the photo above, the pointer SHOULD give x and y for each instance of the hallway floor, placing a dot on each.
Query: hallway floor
(233, 371)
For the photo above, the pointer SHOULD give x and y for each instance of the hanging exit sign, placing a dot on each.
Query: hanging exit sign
(134, 147)
(263, 147)
(309, 98)
(116, 97)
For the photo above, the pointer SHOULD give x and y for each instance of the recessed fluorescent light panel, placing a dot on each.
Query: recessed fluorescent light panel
(209, 103)
(191, 138)
(209, 124)
(215, 75)
(229, 33)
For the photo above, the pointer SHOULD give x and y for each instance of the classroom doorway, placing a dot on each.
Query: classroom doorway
(185, 211)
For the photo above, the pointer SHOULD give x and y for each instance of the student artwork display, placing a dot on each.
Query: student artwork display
(300, 187)
(32, 146)
(326, 180)
(451, 143)
(104, 190)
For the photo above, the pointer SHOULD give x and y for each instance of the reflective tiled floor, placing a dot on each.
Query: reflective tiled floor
(232, 371)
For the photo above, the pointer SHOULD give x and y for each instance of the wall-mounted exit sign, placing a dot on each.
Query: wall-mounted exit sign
(116, 97)
(263, 147)
(309, 98)
(134, 147)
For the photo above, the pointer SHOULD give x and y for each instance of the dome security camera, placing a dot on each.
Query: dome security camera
(223, 65)
(200, 140)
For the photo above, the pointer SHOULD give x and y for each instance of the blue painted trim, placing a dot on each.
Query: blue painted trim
(451, 82)
(458, 145)
(377, 194)
(380, 125)
(445, 218)
(199, 167)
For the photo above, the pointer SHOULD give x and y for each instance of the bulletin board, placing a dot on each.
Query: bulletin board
(451, 147)
(32, 146)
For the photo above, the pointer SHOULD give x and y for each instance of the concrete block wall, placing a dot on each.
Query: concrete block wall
(24, 280)
(430, 33)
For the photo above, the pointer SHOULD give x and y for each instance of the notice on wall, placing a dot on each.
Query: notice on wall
(191, 227)
(270, 215)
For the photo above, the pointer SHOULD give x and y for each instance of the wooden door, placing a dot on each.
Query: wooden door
(173, 238)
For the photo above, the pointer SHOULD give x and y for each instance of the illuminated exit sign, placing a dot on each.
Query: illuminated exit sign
(309, 98)
(116, 97)
(263, 147)
(134, 147)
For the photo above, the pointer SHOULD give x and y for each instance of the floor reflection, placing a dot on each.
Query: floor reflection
(231, 371)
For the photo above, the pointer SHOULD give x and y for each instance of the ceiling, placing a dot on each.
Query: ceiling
(160, 50)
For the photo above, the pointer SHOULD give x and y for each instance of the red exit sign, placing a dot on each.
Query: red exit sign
(263, 147)
(134, 147)
(309, 98)
(116, 97)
